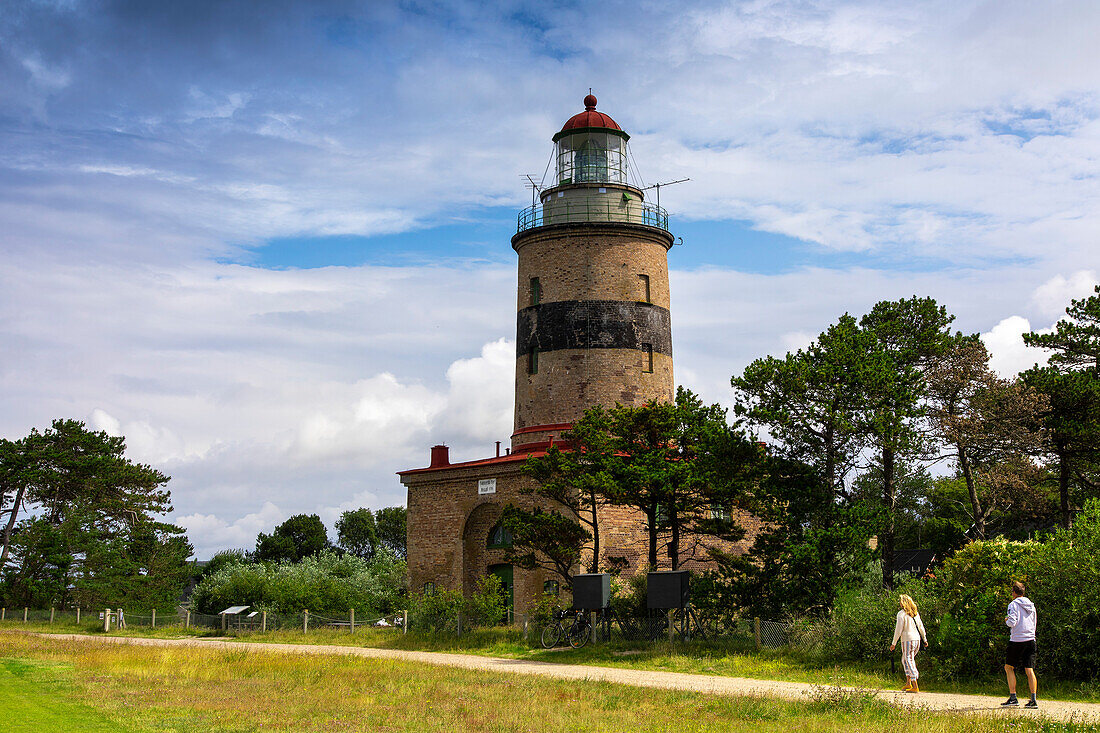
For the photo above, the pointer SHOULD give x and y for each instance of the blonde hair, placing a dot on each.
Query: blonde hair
(908, 605)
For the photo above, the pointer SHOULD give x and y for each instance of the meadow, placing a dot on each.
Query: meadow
(77, 686)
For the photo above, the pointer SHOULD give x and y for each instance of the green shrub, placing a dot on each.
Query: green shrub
(862, 622)
(439, 610)
(436, 611)
(328, 584)
(964, 610)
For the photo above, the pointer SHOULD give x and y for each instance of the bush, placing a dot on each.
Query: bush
(439, 610)
(964, 610)
(326, 584)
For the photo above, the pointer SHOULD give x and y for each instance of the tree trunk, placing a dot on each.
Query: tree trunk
(595, 564)
(11, 524)
(830, 460)
(1063, 488)
(674, 542)
(652, 514)
(888, 500)
(975, 504)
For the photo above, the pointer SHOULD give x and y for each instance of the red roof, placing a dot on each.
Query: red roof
(590, 118)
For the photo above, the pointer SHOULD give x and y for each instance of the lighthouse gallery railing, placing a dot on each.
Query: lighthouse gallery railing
(578, 212)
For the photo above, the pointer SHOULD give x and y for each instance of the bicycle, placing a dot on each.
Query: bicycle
(576, 633)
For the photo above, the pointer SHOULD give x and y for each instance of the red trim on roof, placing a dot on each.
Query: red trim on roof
(517, 456)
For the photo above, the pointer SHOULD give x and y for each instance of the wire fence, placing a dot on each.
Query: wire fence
(687, 624)
(657, 625)
(182, 617)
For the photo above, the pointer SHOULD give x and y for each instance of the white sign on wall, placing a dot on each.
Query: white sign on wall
(487, 486)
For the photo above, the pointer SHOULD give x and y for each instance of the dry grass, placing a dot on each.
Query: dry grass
(719, 659)
(185, 689)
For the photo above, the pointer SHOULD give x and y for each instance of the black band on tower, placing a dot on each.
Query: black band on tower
(593, 324)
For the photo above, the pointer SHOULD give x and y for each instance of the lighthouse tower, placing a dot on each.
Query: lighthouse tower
(593, 328)
(593, 322)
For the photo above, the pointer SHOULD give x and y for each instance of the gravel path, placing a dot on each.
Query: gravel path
(640, 678)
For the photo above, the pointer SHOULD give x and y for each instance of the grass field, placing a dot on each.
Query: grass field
(54, 684)
(730, 660)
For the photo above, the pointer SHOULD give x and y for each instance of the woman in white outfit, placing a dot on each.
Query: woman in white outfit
(910, 629)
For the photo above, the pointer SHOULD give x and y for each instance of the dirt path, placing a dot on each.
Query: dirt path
(640, 678)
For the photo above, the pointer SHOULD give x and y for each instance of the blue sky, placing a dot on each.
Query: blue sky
(269, 242)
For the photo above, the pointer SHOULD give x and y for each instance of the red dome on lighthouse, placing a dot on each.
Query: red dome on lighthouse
(590, 118)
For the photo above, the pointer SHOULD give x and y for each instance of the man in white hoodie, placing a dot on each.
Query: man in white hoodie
(1021, 618)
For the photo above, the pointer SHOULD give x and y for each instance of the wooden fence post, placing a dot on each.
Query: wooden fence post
(224, 623)
(107, 620)
(670, 629)
(756, 631)
(263, 621)
(78, 615)
(187, 618)
(3, 613)
(305, 620)
(51, 614)
(24, 614)
(153, 624)
(405, 620)
(353, 619)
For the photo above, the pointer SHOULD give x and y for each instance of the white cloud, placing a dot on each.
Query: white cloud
(1009, 355)
(945, 148)
(1053, 296)
(210, 533)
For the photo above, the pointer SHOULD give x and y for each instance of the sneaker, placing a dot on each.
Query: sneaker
(1032, 704)
(1010, 701)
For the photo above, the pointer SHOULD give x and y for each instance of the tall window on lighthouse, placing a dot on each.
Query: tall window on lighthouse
(591, 163)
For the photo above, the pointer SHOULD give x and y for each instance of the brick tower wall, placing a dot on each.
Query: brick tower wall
(596, 322)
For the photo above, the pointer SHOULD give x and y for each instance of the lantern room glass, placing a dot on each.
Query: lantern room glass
(591, 157)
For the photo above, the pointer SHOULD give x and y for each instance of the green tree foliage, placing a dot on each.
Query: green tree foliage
(301, 536)
(1076, 339)
(1072, 384)
(544, 539)
(805, 549)
(1072, 431)
(94, 536)
(908, 337)
(811, 401)
(577, 481)
(357, 533)
(671, 462)
(326, 583)
(666, 463)
(224, 558)
(391, 525)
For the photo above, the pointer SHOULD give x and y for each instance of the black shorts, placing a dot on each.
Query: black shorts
(1021, 654)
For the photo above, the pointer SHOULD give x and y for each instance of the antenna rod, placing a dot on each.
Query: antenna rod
(658, 187)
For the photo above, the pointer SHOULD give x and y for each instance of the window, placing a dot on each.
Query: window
(533, 361)
(499, 537)
(645, 288)
(428, 588)
(590, 163)
(661, 514)
(647, 358)
(551, 588)
(536, 291)
(717, 511)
